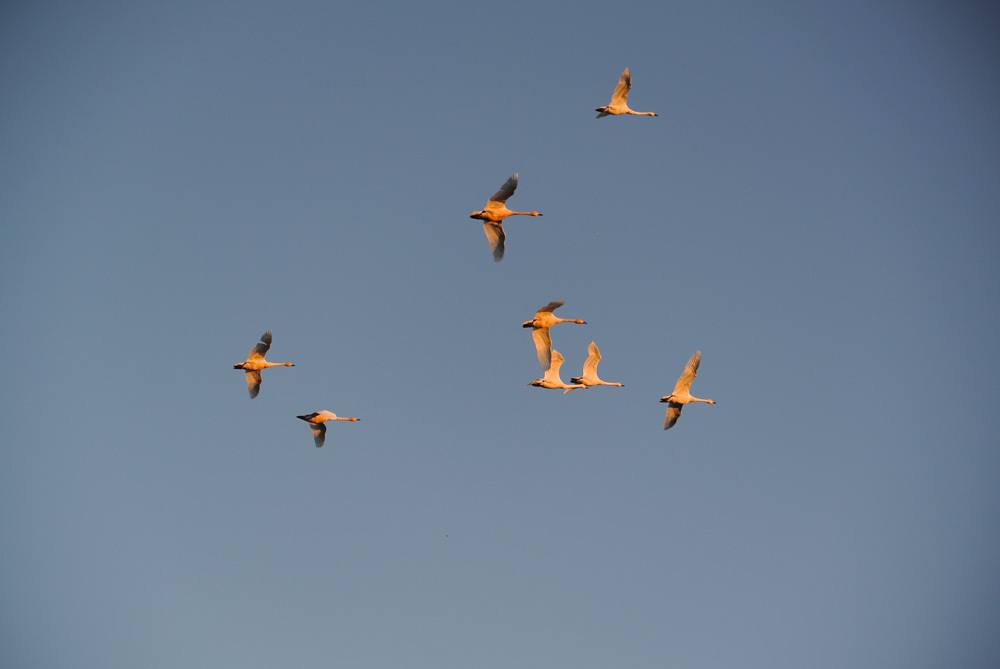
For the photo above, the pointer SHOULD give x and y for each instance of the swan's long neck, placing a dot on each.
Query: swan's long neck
(635, 113)
(277, 364)
(698, 399)
(524, 213)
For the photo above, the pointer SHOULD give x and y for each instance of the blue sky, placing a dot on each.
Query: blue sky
(816, 209)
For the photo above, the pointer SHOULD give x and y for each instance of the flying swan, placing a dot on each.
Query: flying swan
(681, 396)
(540, 324)
(256, 362)
(496, 210)
(551, 378)
(619, 99)
(317, 421)
(590, 377)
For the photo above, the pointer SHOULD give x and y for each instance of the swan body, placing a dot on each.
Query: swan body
(317, 421)
(256, 362)
(619, 99)
(590, 377)
(681, 394)
(551, 379)
(492, 216)
(540, 324)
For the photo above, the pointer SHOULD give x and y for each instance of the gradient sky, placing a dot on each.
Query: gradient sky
(816, 209)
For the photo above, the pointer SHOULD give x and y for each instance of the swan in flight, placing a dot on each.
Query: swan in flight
(496, 210)
(256, 362)
(681, 396)
(619, 99)
(543, 320)
(551, 378)
(317, 421)
(590, 377)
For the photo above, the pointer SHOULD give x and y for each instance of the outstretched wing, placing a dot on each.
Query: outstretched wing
(505, 191)
(261, 348)
(496, 237)
(253, 383)
(690, 371)
(620, 96)
(673, 413)
(543, 346)
(319, 433)
(551, 306)
(590, 367)
(552, 373)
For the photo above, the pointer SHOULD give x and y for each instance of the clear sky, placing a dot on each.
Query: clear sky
(816, 209)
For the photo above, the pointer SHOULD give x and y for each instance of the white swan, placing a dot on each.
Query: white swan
(256, 362)
(619, 99)
(494, 213)
(317, 421)
(681, 396)
(551, 378)
(543, 320)
(590, 377)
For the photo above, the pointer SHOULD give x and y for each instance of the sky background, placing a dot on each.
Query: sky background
(816, 209)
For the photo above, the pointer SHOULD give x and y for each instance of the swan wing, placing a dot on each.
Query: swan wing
(496, 237)
(620, 96)
(543, 346)
(261, 348)
(690, 371)
(319, 433)
(505, 191)
(553, 371)
(590, 366)
(673, 413)
(550, 307)
(253, 383)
